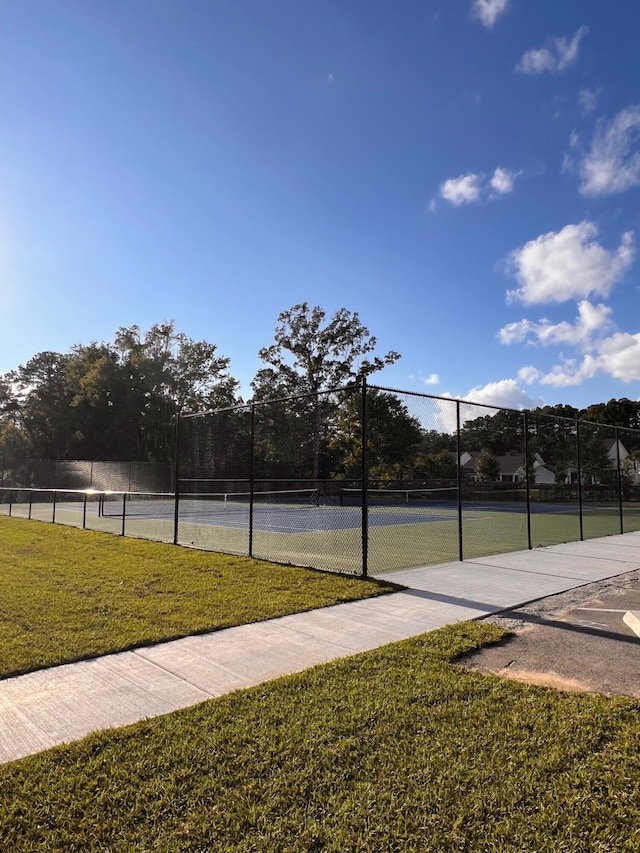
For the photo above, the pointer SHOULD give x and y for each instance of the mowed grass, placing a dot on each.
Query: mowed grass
(67, 594)
(398, 749)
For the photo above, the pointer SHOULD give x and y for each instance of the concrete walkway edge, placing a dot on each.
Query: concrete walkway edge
(54, 706)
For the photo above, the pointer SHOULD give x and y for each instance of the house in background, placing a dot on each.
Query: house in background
(511, 468)
(614, 447)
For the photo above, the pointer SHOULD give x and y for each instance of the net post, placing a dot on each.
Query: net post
(124, 512)
(459, 481)
(30, 503)
(527, 478)
(252, 435)
(84, 510)
(365, 480)
(176, 478)
(53, 514)
(578, 453)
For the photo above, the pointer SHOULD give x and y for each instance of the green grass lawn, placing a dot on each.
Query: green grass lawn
(398, 749)
(67, 594)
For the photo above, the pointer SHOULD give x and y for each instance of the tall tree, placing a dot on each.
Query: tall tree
(394, 438)
(311, 355)
(552, 434)
(501, 432)
(436, 466)
(43, 395)
(487, 466)
(115, 400)
(187, 375)
(621, 413)
(169, 372)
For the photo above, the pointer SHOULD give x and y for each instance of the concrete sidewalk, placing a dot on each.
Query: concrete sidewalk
(53, 706)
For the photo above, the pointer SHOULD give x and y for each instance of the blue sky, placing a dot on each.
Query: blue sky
(463, 174)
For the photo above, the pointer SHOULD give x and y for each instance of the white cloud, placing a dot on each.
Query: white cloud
(588, 100)
(502, 181)
(504, 393)
(528, 375)
(558, 55)
(433, 205)
(471, 187)
(431, 379)
(570, 372)
(613, 163)
(462, 190)
(568, 264)
(516, 333)
(488, 11)
(620, 356)
(591, 319)
(617, 356)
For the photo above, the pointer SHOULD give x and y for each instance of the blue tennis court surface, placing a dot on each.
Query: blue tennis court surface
(294, 518)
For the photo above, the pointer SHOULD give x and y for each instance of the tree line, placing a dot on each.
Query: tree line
(118, 400)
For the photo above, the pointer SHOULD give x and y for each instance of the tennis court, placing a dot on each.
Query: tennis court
(401, 528)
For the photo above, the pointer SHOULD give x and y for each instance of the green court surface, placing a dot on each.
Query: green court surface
(396, 539)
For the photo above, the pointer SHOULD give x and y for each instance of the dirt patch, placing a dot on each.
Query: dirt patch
(575, 641)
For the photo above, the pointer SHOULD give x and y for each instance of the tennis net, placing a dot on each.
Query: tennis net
(206, 504)
(153, 504)
(280, 499)
(445, 495)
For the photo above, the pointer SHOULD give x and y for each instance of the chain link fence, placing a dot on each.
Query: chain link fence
(85, 474)
(261, 480)
(362, 479)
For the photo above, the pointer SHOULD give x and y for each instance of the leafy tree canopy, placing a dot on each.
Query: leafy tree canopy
(311, 354)
(113, 400)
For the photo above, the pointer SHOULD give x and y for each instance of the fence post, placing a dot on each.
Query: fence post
(459, 480)
(176, 478)
(252, 435)
(365, 482)
(527, 478)
(617, 434)
(579, 479)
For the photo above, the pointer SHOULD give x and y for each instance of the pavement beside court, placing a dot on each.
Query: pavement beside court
(61, 704)
(586, 639)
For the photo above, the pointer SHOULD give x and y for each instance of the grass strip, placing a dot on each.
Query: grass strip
(397, 749)
(68, 594)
